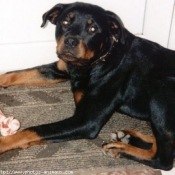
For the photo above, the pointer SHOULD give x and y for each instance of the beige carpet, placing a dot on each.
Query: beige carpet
(38, 105)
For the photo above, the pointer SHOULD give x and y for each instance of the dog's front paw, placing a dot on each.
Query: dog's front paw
(115, 146)
(112, 151)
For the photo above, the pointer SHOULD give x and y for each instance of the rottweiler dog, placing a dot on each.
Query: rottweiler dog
(109, 70)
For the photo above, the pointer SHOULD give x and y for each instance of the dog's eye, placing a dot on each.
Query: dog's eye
(65, 23)
(92, 29)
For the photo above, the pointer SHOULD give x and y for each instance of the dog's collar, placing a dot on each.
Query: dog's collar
(103, 57)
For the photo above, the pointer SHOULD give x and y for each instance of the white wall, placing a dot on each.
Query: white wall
(158, 21)
(171, 43)
(24, 44)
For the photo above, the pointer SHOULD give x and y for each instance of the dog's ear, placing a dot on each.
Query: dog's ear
(53, 14)
(116, 27)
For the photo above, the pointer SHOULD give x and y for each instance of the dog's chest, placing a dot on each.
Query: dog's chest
(79, 78)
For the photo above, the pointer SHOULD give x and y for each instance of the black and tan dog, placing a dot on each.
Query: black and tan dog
(110, 70)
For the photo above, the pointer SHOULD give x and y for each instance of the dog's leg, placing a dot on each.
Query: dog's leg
(121, 143)
(41, 75)
(86, 123)
(133, 138)
(159, 155)
(72, 128)
(21, 140)
(124, 148)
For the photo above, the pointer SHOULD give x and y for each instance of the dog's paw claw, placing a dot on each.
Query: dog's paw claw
(113, 136)
(120, 134)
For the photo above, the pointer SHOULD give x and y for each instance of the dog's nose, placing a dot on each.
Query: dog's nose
(71, 41)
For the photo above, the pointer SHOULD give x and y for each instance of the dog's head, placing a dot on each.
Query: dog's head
(84, 32)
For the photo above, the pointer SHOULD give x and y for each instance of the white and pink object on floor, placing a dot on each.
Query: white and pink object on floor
(8, 125)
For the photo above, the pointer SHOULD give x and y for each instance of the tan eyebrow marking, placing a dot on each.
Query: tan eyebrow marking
(90, 21)
(71, 15)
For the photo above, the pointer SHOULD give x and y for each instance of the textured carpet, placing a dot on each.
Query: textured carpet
(38, 105)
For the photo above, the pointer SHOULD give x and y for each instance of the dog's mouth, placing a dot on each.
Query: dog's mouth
(68, 57)
(71, 59)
